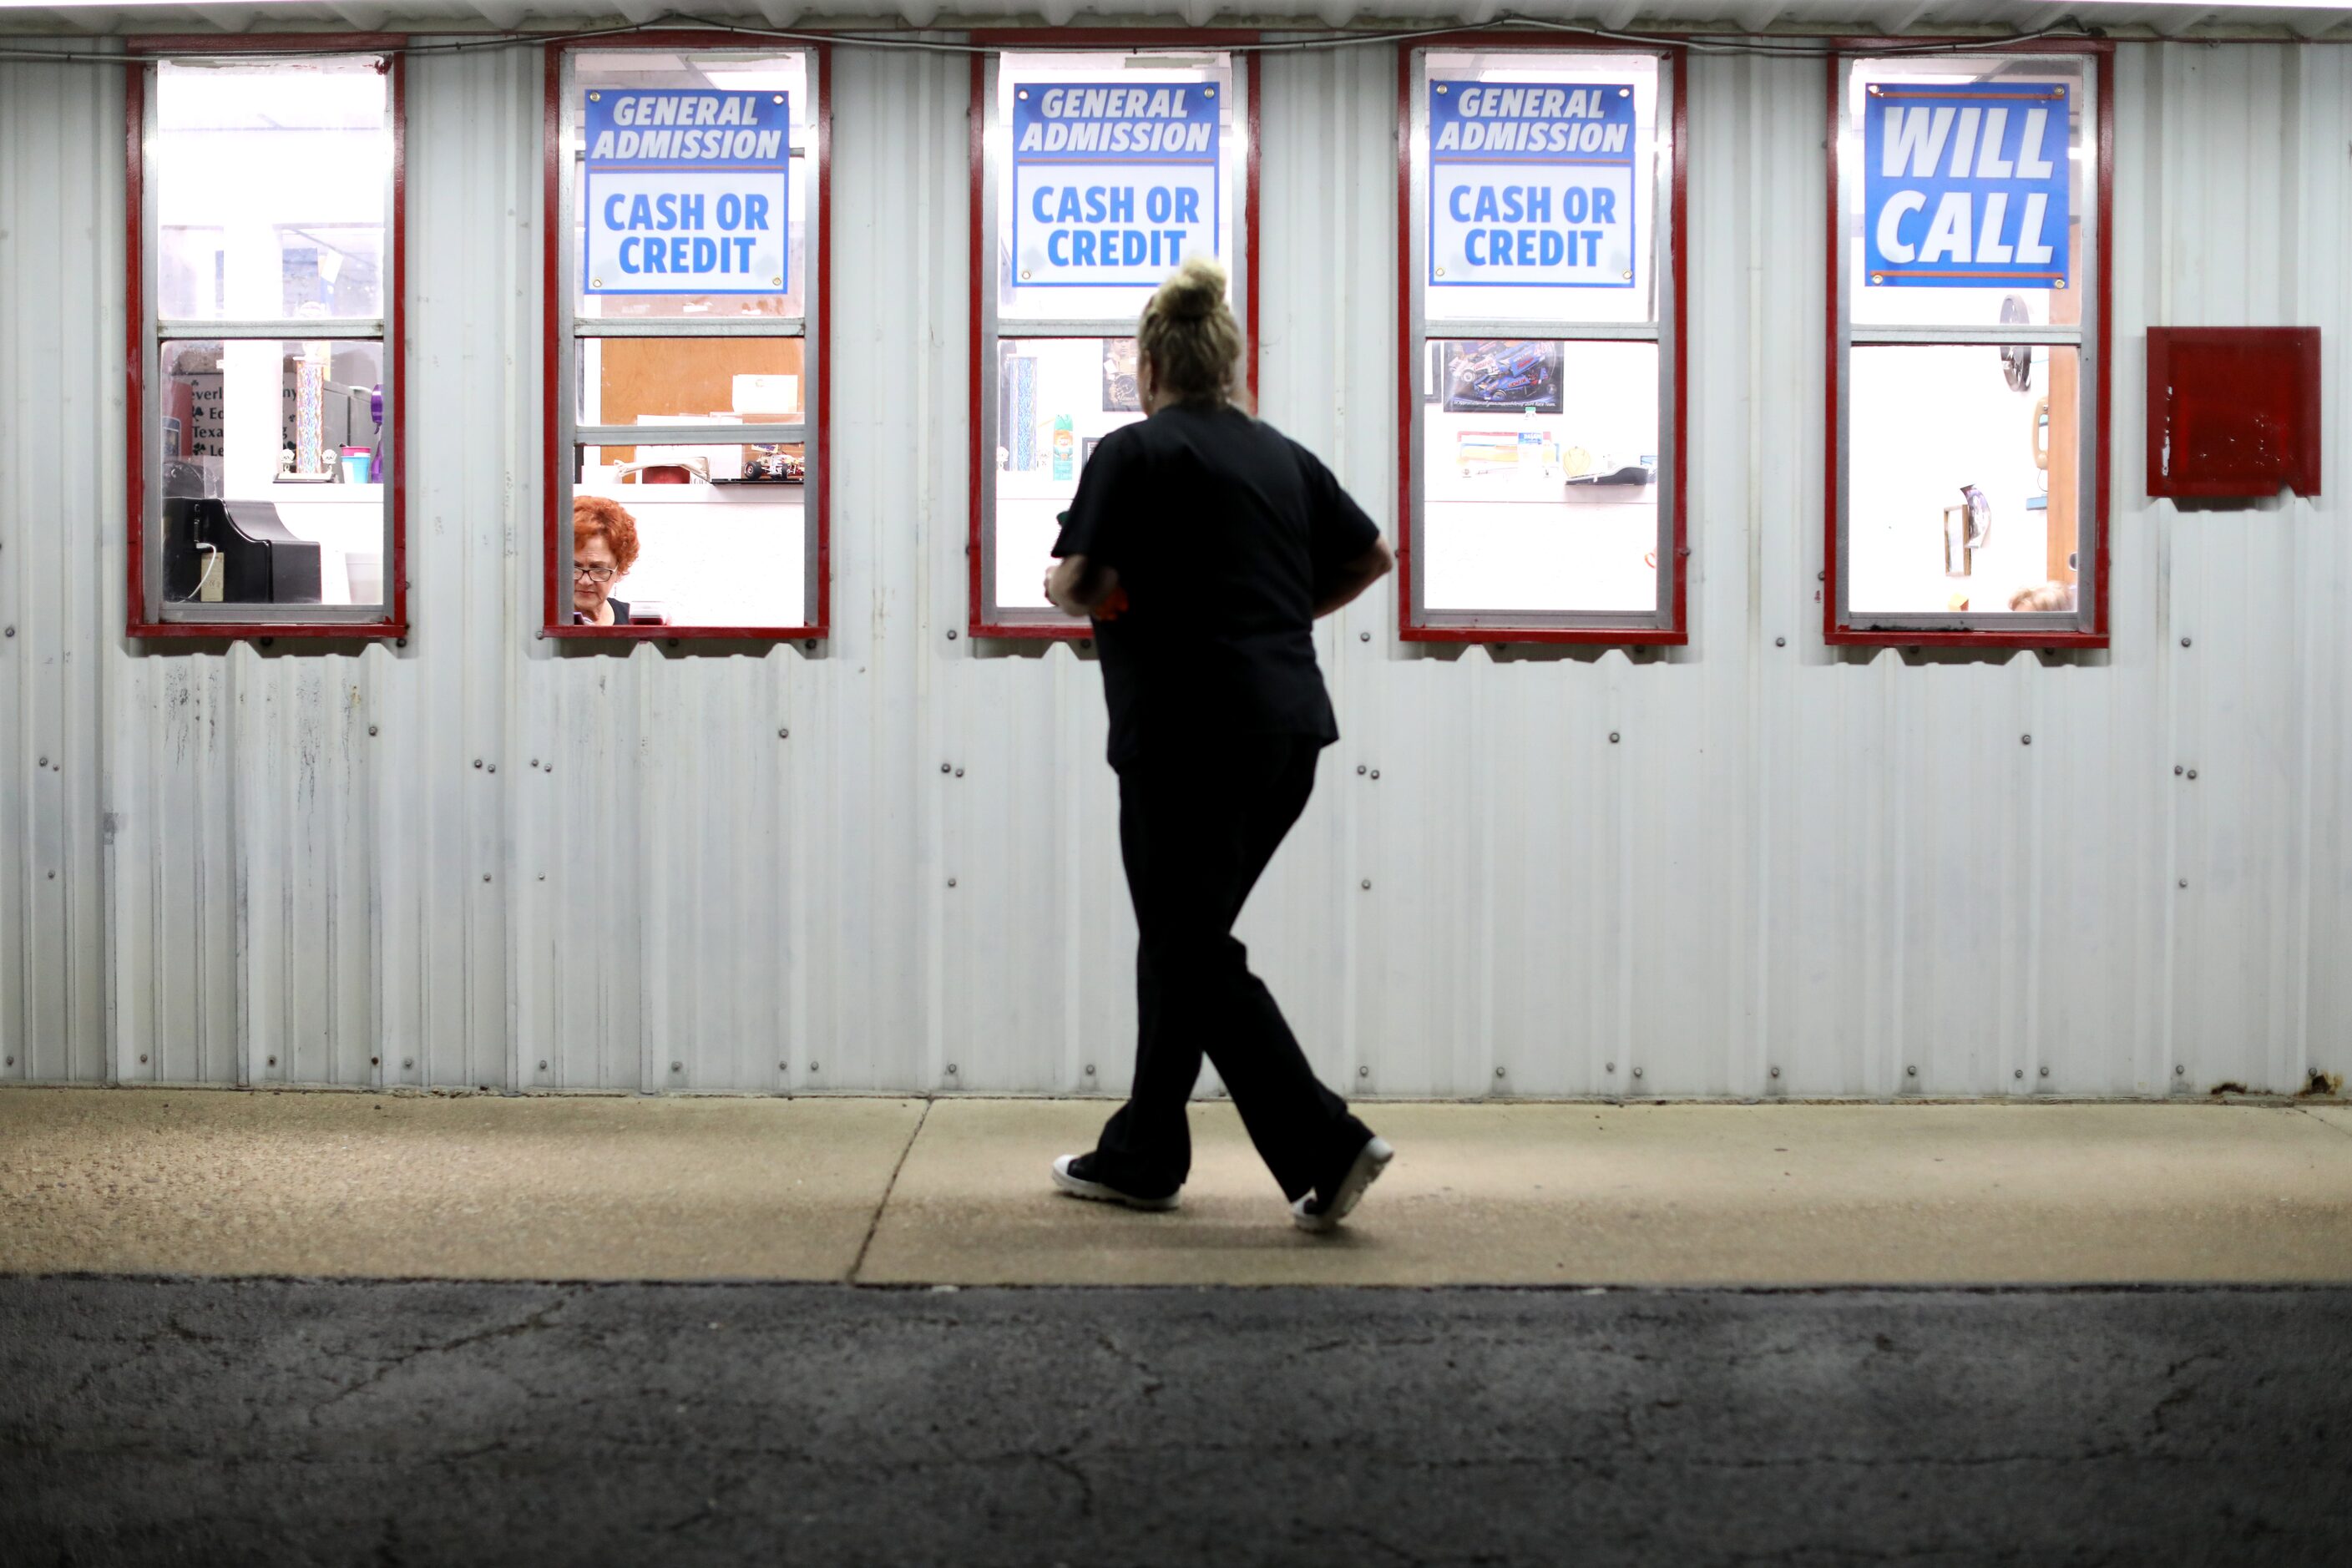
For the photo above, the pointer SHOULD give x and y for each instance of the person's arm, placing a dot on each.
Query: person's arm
(1353, 577)
(1078, 587)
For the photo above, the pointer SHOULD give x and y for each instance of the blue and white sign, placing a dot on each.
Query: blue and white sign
(1966, 185)
(1113, 183)
(684, 191)
(1531, 186)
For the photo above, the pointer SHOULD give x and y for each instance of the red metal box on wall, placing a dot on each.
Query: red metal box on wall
(2232, 411)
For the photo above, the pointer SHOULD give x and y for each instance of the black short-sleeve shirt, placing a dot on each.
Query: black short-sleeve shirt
(1224, 530)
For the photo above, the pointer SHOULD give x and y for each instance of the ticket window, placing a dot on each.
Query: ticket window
(267, 466)
(1967, 301)
(1099, 173)
(1541, 485)
(687, 481)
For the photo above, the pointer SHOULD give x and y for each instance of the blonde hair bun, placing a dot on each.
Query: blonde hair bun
(1193, 290)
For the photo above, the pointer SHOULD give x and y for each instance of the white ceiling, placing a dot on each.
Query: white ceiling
(2126, 17)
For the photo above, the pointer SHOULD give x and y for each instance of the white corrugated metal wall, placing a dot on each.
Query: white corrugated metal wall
(1795, 874)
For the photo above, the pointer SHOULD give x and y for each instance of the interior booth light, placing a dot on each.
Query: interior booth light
(1968, 297)
(686, 465)
(267, 384)
(1542, 473)
(1096, 171)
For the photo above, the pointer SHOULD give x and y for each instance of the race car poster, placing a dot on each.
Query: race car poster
(1501, 376)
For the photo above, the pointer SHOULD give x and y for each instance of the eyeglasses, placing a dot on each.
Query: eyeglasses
(594, 573)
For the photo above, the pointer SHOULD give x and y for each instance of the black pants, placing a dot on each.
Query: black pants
(1196, 827)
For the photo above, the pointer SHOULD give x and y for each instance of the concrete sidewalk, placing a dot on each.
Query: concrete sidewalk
(886, 1190)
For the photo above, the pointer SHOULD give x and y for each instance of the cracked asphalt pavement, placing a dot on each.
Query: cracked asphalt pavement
(295, 1421)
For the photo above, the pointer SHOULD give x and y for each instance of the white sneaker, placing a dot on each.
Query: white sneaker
(1308, 1214)
(1080, 1183)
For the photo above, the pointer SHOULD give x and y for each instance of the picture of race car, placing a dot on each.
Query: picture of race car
(1484, 376)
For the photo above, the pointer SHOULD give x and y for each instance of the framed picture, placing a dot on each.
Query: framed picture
(1120, 394)
(1502, 375)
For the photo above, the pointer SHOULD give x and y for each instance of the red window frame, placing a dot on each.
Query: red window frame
(1673, 361)
(1837, 629)
(1016, 40)
(142, 53)
(555, 623)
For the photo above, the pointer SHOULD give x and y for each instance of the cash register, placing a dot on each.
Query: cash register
(235, 552)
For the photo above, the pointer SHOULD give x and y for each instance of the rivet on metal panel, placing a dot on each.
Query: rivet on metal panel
(1779, 642)
(1360, 769)
(44, 762)
(2020, 1072)
(493, 768)
(2184, 642)
(1085, 642)
(1360, 637)
(2179, 1069)
(1363, 1072)
(1637, 1072)
(543, 1066)
(1498, 1072)
(1612, 737)
(810, 645)
(958, 773)
(951, 636)
(951, 1069)
(477, 762)
(670, 642)
(273, 1061)
(142, 1059)
(1776, 1072)
(1821, 576)
(11, 632)
(2177, 770)
(2184, 882)
(53, 875)
(371, 729)
(1368, 884)
(1910, 1072)
(1376, 773)
(2046, 1072)
(2192, 772)
(376, 1061)
(951, 881)
(783, 1066)
(784, 735)
(678, 1067)
(1091, 1070)
(2025, 739)
(400, 642)
(485, 876)
(947, 767)
(812, 1067)
(407, 1062)
(1610, 1067)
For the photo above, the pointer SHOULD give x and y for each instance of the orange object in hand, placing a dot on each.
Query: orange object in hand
(1113, 603)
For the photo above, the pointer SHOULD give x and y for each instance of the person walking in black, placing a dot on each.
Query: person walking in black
(1205, 543)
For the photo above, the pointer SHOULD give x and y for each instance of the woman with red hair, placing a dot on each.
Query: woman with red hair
(603, 548)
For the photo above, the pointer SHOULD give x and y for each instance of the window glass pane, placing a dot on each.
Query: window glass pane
(1055, 398)
(1967, 193)
(679, 208)
(691, 380)
(1543, 177)
(1539, 476)
(1087, 223)
(690, 536)
(271, 472)
(271, 185)
(1963, 484)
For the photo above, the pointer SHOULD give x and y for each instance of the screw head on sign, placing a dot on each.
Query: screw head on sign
(1878, 278)
(1629, 275)
(595, 282)
(1025, 275)
(1441, 272)
(1441, 90)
